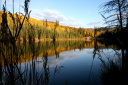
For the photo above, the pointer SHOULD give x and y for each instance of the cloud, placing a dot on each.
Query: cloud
(98, 23)
(53, 15)
(64, 56)
(52, 61)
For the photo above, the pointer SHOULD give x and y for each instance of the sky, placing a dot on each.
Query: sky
(75, 13)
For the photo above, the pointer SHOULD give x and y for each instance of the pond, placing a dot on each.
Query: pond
(59, 63)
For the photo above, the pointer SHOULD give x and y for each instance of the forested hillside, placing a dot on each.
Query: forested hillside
(44, 30)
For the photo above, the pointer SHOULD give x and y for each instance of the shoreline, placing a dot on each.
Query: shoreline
(21, 40)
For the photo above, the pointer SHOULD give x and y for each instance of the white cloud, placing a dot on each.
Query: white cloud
(52, 61)
(98, 23)
(53, 15)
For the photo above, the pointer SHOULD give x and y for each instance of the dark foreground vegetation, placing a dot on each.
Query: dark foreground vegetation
(21, 29)
(114, 37)
(17, 27)
(115, 72)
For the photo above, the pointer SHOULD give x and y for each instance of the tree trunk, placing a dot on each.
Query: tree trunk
(120, 14)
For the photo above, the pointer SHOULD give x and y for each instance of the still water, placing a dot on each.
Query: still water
(60, 63)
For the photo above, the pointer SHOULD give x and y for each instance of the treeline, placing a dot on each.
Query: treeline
(36, 30)
(115, 15)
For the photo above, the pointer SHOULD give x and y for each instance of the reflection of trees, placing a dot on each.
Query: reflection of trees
(46, 69)
(96, 48)
(125, 65)
(110, 73)
(12, 70)
(29, 74)
(114, 69)
(27, 50)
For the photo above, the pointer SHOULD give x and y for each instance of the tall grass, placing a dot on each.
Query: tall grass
(8, 45)
(11, 52)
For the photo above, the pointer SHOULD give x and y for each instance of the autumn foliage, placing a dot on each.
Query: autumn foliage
(37, 30)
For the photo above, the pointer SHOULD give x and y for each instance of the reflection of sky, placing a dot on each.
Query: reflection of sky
(72, 55)
(78, 66)
(68, 55)
(63, 56)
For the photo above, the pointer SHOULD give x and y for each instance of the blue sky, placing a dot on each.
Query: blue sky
(75, 13)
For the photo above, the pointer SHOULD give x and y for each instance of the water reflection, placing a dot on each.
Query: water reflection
(20, 64)
(30, 51)
(59, 63)
(112, 68)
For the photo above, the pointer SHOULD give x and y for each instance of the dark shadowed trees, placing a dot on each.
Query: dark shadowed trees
(118, 13)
